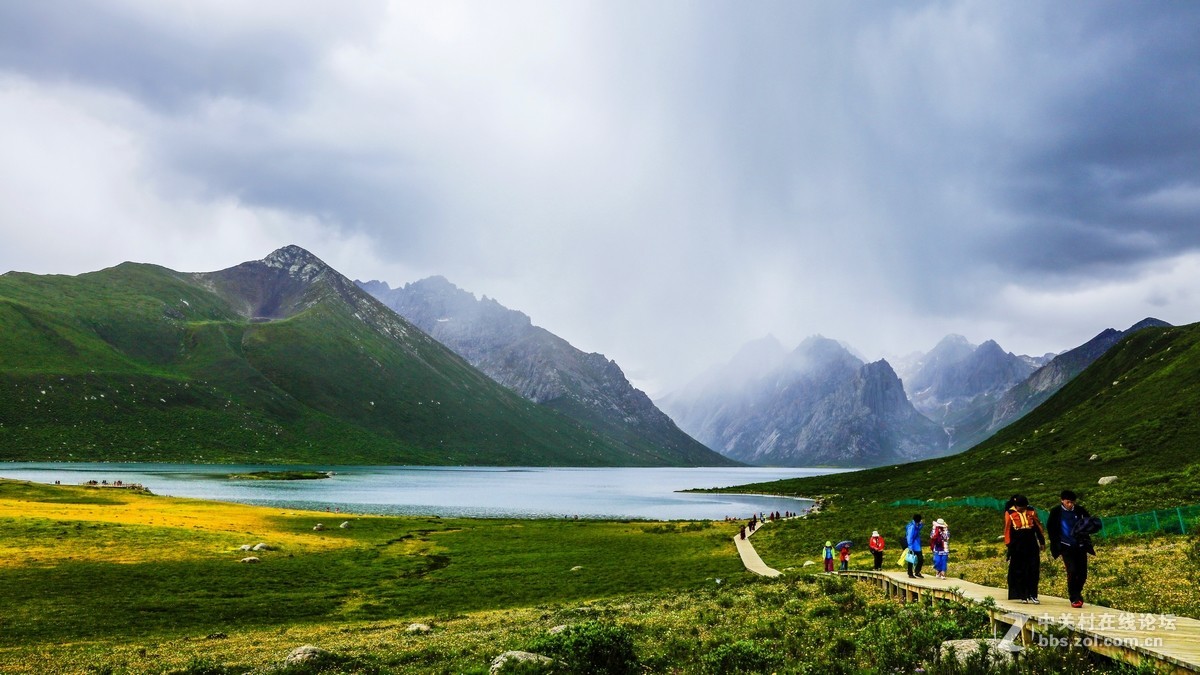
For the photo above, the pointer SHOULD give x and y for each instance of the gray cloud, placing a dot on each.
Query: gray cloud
(658, 182)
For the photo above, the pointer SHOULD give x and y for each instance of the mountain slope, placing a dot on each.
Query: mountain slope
(818, 405)
(1130, 414)
(542, 367)
(278, 360)
(1043, 382)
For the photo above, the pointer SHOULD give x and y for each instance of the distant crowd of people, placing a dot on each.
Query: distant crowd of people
(759, 518)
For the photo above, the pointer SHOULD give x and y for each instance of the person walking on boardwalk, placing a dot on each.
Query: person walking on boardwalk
(876, 545)
(828, 554)
(1070, 528)
(939, 545)
(1025, 539)
(844, 557)
(912, 536)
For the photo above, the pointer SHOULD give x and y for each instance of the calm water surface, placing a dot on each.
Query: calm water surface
(451, 491)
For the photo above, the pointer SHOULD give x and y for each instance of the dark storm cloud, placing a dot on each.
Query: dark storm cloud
(167, 57)
(1095, 194)
(883, 173)
(345, 188)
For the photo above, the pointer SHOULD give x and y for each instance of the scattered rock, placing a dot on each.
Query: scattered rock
(557, 629)
(525, 662)
(245, 547)
(576, 568)
(261, 547)
(419, 628)
(251, 559)
(304, 654)
(345, 525)
(318, 527)
(998, 650)
(1107, 479)
(808, 562)
(1093, 458)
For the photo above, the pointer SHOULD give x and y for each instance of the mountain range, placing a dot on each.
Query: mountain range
(538, 365)
(816, 405)
(1123, 433)
(280, 360)
(810, 407)
(284, 360)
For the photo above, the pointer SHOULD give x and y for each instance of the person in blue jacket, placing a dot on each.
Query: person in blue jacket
(912, 536)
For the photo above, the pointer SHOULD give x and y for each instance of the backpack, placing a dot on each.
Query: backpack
(1088, 525)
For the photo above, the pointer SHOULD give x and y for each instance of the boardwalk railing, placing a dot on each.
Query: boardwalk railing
(1169, 643)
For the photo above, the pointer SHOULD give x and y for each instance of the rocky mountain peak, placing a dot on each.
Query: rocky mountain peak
(989, 349)
(1148, 322)
(297, 262)
(953, 340)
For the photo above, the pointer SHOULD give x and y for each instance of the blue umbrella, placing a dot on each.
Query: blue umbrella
(845, 543)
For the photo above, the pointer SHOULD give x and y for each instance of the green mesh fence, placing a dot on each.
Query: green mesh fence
(1179, 520)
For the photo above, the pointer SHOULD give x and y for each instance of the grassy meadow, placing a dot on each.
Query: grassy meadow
(112, 581)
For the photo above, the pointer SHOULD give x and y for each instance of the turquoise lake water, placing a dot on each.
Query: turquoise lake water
(476, 492)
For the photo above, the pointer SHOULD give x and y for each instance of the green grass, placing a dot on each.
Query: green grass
(385, 568)
(146, 584)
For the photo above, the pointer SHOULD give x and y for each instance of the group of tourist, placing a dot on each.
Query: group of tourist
(1068, 530)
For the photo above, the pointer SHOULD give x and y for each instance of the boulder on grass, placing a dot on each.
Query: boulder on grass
(345, 525)
(305, 654)
(251, 559)
(1108, 479)
(261, 547)
(523, 662)
(418, 628)
(318, 527)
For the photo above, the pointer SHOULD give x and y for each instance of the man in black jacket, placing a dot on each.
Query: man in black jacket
(1069, 528)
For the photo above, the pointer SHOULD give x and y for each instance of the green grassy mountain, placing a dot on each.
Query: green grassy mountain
(1131, 414)
(281, 360)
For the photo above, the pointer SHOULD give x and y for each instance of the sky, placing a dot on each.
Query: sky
(658, 181)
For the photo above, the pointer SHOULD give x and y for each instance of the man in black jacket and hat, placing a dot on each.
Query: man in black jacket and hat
(1070, 527)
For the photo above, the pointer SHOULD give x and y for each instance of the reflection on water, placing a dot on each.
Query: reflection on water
(481, 492)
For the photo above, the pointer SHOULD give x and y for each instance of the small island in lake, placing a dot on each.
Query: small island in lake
(281, 475)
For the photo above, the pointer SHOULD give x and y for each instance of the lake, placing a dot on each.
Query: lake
(475, 492)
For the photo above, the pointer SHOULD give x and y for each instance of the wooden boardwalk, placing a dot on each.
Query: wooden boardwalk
(750, 557)
(1170, 643)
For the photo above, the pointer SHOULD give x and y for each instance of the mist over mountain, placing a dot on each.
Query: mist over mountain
(817, 405)
(540, 366)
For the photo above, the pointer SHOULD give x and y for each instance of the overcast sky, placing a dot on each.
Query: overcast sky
(657, 181)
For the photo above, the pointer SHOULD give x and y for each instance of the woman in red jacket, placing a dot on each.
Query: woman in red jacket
(876, 546)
